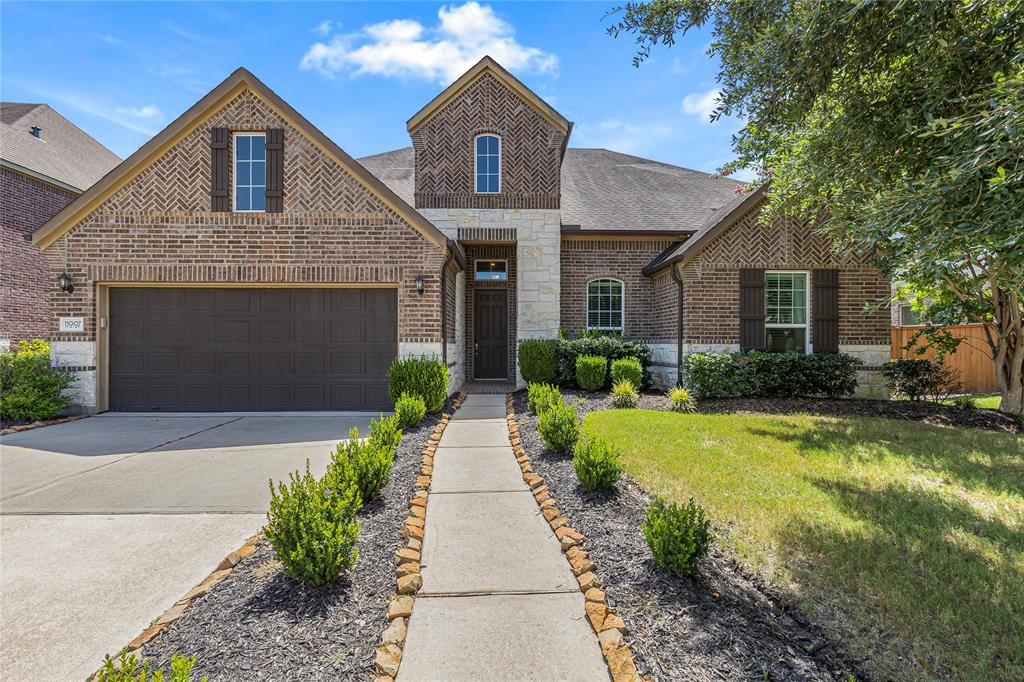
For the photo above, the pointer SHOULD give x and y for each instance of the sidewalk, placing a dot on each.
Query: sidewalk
(498, 601)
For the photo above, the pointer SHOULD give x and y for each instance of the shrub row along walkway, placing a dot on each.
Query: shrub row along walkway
(498, 601)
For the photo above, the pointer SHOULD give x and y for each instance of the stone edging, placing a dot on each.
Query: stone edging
(39, 424)
(222, 571)
(408, 580)
(608, 626)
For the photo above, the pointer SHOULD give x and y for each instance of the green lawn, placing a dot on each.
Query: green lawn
(988, 401)
(901, 538)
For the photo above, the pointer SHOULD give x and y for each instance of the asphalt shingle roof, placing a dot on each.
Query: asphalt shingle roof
(63, 152)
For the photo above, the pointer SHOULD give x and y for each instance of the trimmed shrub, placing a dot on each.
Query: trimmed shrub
(384, 432)
(591, 371)
(678, 535)
(624, 395)
(426, 377)
(313, 529)
(760, 375)
(127, 669)
(628, 369)
(538, 360)
(965, 402)
(539, 397)
(365, 466)
(410, 409)
(597, 464)
(681, 400)
(30, 388)
(608, 346)
(559, 427)
(917, 378)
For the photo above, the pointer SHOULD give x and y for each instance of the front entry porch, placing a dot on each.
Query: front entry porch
(490, 325)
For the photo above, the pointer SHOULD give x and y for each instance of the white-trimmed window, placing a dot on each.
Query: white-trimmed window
(250, 177)
(488, 164)
(491, 271)
(786, 312)
(605, 305)
(908, 316)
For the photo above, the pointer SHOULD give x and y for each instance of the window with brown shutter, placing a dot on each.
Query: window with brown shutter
(220, 197)
(275, 170)
(825, 318)
(752, 309)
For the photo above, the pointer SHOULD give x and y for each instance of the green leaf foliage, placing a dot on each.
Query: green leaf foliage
(681, 400)
(30, 388)
(538, 360)
(624, 395)
(426, 377)
(678, 535)
(608, 346)
(363, 465)
(559, 428)
(410, 409)
(128, 669)
(629, 369)
(540, 397)
(591, 372)
(918, 379)
(758, 375)
(598, 465)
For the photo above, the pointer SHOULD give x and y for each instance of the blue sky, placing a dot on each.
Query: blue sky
(122, 71)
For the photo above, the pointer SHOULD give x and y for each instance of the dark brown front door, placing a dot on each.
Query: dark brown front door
(490, 315)
(251, 349)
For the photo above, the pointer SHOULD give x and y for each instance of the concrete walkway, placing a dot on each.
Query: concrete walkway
(499, 601)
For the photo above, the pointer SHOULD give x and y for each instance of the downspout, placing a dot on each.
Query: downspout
(679, 328)
(444, 309)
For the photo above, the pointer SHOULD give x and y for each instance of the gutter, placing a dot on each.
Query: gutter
(35, 175)
(670, 234)
(444, 309)
(679, 328)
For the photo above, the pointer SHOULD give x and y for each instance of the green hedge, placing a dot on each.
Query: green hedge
(538, 360)
(628, 369)
(759, 375)
(30, 388)
(591, 372)
(610, 347)
(426, 377)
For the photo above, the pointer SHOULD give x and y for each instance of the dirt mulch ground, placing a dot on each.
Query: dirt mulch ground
(723, 624)
(259, 624)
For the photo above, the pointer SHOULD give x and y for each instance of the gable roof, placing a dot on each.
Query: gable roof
(493, 68)
(63, 155)
(720, 221)
(240, 79)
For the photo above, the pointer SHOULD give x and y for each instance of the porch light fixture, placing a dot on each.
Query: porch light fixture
(64, 281)
(420, 285)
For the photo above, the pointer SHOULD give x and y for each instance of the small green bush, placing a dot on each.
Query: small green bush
(424, 376)
(965, 402)
(764, 375)
(384, 432)
(678, 535)
(918, 379)
(364, 465)
(597, 464)
(30, 388)
(410, 409)
(624, 395)
(559, 428)
(313, 529)
(681, 400)
(538, 360)
(539, 397)
(591, 371)
(609, 346)
(628, 369)
(127, 669)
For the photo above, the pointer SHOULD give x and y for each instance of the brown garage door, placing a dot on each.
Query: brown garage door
(251, 349)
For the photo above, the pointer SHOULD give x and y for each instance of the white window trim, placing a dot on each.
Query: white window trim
(476, 162)
(622, 306)
(491, 260)
(808, 346)
(234, 170)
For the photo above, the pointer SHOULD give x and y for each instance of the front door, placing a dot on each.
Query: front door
(490, 315)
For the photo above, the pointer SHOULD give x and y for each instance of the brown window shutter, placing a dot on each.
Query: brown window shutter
(825, 312)
(220, 197)
(275, 170)
(752, 309)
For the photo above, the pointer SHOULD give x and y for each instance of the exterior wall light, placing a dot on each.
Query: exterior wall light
(64, 281)
(420, 285)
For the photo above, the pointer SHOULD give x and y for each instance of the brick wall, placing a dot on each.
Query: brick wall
(530, 151)
(649, 310)
(25, 204)
(506, 252)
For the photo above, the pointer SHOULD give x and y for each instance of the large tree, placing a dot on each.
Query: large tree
(900, 122)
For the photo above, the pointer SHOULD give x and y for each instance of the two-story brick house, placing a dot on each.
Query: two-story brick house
(242, 260)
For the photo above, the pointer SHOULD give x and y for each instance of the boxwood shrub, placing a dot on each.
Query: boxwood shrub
(559, 428)
(628, 369)
(538, 360)
(30, 388)
(610, 347)
(591, 372)
(410, 409)
(424, 376)
(678, 535)
(758, 375)
(540, 397)
(598, 465)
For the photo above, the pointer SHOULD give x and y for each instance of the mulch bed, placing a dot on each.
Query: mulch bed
(723, 624)
(258, 624)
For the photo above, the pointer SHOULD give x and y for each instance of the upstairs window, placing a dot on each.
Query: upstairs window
(250, 172)
(605, 306)
(488, 164)
(786, 312)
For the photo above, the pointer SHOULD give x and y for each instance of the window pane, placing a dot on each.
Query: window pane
(481, 145)
(492, 185)
(242, 199)
(785, 340)
(258, 151)
(259, 175)
(908, 316)
(241, 173)
(242, 144)
(258, 199)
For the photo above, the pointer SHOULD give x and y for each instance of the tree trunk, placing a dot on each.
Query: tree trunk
(1008, 349)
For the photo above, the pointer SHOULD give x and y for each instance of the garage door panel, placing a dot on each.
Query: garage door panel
(251, 349)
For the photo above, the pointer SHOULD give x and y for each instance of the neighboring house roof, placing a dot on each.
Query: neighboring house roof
(605, 191)
(51, 230)
(719, 221)
(63, 154)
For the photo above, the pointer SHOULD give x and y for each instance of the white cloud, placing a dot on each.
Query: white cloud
(111, 40)
(701, 104)
(149, 111)
(324, 27)
(623, 136)
(404, 48)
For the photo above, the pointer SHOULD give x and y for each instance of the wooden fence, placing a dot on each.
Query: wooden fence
(972, 358)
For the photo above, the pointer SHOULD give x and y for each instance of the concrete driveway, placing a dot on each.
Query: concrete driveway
(106, 522)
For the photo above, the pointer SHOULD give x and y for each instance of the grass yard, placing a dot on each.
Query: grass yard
(904, 539)
(987, 401)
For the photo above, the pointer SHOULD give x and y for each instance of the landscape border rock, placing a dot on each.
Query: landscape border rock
(18, 428)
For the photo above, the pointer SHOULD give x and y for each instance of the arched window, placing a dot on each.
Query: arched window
(488, 164)
(605, 306)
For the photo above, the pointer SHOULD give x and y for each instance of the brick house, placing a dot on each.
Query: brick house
(45, 162)
(242, 260)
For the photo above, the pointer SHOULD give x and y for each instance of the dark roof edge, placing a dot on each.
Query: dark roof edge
(578, 230)
(36, 175)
